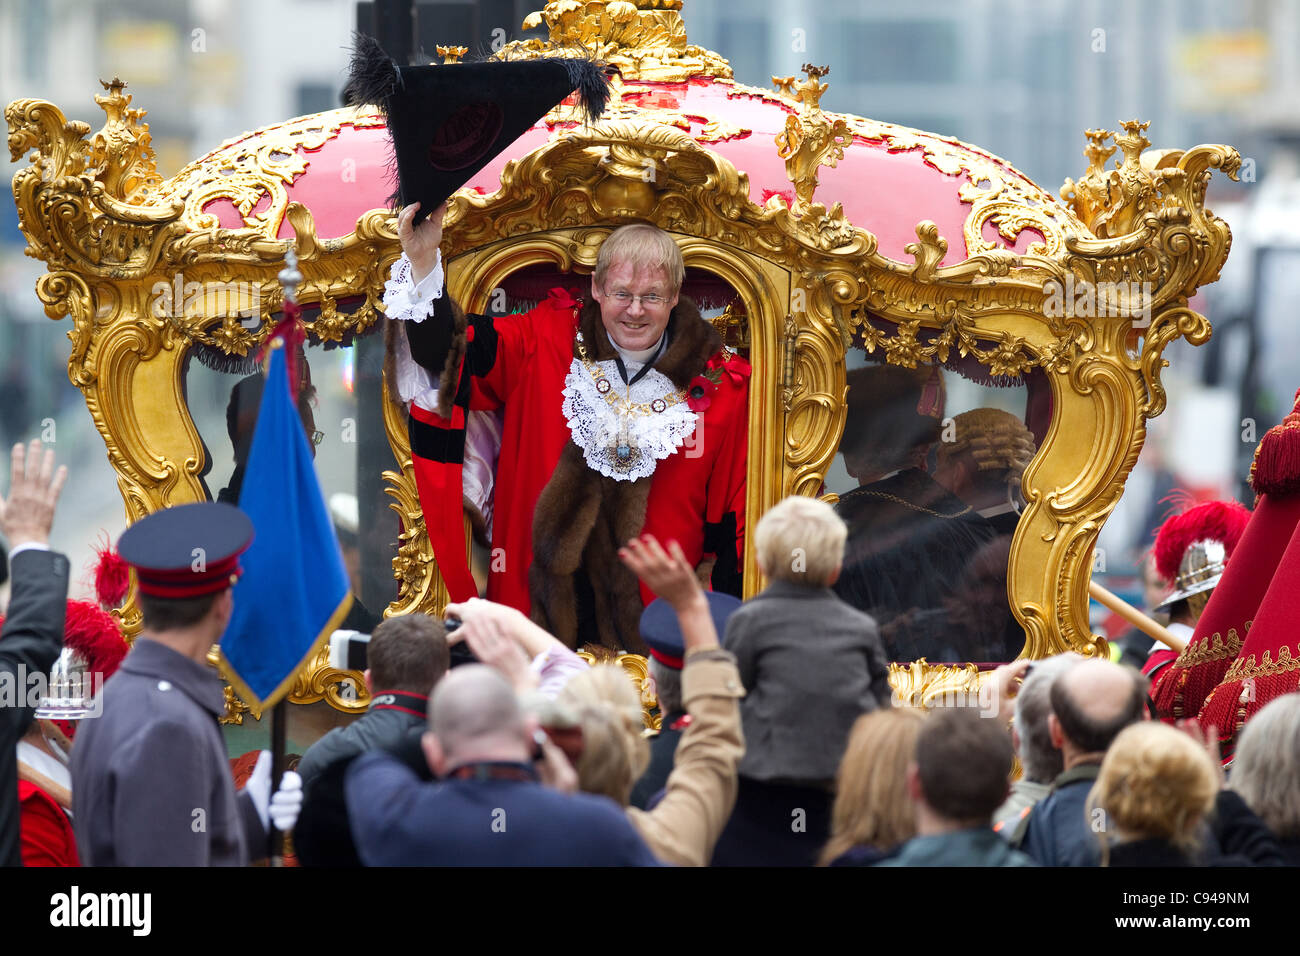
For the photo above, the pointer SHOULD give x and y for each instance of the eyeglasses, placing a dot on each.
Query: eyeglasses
(650, 301)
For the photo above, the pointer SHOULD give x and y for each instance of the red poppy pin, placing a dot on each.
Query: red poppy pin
(699, 394)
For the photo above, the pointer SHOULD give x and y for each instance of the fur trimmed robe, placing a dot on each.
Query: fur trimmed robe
(558, 523)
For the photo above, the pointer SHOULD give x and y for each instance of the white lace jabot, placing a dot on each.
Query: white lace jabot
(659, 424)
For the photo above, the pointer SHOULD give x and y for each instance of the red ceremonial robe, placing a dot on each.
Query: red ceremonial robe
(518, 363)
(44, 829)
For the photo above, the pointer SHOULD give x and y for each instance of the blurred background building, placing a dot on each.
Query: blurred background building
(1021, 78)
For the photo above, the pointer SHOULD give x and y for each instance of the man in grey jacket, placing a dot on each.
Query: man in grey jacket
(33, 630)
(1041, 761)
(151, 782)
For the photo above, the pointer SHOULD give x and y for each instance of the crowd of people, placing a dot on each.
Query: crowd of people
(781, 743)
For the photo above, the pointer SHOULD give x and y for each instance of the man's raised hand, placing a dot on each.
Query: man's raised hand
(34, 487)
(671, 576)
(667, 573)
(420, 243)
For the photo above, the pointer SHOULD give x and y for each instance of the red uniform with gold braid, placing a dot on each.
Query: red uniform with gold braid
(1267, 664)
(1192, 551)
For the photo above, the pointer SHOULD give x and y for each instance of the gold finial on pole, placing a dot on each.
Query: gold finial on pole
(290, 278)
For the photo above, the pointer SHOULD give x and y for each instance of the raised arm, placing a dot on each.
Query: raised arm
(552, 664)
(449, 345)
(416, 294)
(701, 791)
(32, 635)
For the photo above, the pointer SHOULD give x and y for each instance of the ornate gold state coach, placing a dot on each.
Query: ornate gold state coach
(830, 236)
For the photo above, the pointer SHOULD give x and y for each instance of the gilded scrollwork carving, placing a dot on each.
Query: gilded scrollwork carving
(644, 38)
(1091, 195)
(235, 707)
(811, 139)
(419, 587)
(637, 669)
(925, 685)
(343, 690)
(248, 170)
(124, 147)
(928, 250)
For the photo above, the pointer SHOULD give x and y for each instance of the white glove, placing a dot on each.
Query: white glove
(287, 802)
(283, 808)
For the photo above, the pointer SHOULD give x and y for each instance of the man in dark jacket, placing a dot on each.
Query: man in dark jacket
(958, 778)
(910, 539)
(1091, 704)
(32, 635)
(489, 806)
(407, 655)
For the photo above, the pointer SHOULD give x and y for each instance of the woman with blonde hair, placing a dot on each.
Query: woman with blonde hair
(1155, 790)
(603, 703)
(873, 814)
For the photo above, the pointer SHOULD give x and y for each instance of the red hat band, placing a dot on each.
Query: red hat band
(187, 583)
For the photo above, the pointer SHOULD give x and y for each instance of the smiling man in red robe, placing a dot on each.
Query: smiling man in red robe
(620, 416)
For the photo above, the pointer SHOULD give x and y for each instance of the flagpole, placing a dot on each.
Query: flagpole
(289, 278)
(279, 718)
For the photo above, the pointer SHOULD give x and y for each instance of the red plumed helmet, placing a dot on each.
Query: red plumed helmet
(112, 577)
(94, 634)
(1221, 521)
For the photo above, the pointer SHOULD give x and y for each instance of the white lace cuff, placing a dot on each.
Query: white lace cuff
(406, 301)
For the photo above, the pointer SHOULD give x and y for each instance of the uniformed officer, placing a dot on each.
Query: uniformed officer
(663, 637)
(151, 782)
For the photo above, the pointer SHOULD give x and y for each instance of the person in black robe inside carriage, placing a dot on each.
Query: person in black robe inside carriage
(910, 539)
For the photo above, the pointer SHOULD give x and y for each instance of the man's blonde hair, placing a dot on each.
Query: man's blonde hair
(641, 244)
(801, 540)
(614, 754)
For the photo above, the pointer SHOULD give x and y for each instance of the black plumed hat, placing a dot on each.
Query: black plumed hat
(449, 121)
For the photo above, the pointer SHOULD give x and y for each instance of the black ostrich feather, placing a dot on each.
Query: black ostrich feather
(372, 76)
(590, 79)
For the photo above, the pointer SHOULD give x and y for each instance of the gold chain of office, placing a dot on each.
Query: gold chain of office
(656, 407)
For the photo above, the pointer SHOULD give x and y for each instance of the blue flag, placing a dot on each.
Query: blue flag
(294, 589)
